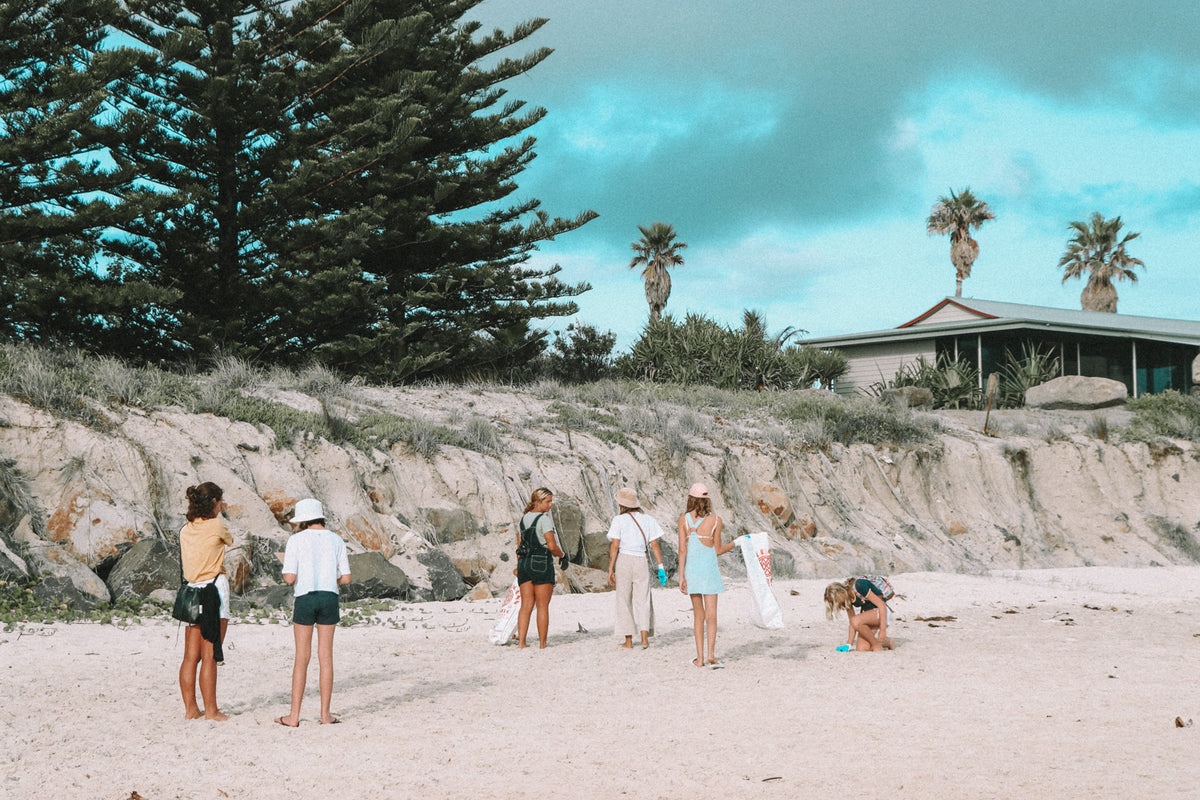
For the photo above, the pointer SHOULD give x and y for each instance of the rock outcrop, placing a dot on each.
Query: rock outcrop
(74, 497)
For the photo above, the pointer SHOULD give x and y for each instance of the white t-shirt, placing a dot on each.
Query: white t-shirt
(625, 530)
(317, 557)
(544, 525)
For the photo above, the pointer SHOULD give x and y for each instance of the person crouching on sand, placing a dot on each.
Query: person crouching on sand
(868, 627)
(315, 564)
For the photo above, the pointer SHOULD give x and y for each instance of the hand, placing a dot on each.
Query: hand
(563, 563)
(662, 576)
(612, 579)
(683, 585)
(844, 648)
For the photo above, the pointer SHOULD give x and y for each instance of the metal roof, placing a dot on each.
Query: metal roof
(996, 316)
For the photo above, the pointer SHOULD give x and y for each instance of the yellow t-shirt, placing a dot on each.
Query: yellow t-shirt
(202, 548)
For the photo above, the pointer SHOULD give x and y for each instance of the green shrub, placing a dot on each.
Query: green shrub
(1167, 414)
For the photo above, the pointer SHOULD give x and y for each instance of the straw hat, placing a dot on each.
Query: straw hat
(628, 497)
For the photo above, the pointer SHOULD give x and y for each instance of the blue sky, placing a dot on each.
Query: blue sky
(797, 146)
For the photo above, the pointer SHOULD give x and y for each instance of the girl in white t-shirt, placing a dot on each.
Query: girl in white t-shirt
(632, 533)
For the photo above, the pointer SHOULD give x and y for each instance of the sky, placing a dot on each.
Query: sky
(798, 146)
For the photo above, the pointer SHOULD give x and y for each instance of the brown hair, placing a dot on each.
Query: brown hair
(538, 496)
(202, 500)
(702, 506)
(839, 596)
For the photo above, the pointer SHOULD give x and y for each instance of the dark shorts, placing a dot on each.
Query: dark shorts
(316, 608)
(538, 569)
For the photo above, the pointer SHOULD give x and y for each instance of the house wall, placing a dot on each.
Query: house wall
(869, 362)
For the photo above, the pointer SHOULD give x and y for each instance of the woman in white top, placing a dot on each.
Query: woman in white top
(632, 532)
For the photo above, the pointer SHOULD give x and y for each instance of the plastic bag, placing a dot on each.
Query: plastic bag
(506, 623)
(764, 608)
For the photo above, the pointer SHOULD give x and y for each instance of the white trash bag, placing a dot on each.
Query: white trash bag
(756, 552)
(506, 623)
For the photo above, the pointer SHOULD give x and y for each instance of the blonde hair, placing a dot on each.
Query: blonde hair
(839, 597)
(702, 506)
(538, 496)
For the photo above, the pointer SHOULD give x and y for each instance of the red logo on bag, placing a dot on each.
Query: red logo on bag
(764, 559)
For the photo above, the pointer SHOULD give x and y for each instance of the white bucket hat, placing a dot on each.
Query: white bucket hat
(307, 510)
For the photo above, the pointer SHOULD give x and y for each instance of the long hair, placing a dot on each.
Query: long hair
(202, 500)
(839, 597)
(699, 506)
(538, 496)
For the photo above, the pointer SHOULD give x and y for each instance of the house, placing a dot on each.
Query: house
(1147, 354)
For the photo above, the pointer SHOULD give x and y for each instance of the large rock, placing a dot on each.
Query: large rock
(1076, 392)
(595, 549)
(146, 566)
(451, 524)
(774, 503)
(445, 581)
(568, 525)
(12, 566)
(54, 561)
(372, 575)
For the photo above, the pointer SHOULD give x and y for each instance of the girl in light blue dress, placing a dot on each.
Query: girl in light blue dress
(699, 546)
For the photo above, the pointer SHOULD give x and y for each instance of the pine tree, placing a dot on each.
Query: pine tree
(417, 262)
(59, 190)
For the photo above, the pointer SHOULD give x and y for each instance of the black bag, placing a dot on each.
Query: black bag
(187, 604)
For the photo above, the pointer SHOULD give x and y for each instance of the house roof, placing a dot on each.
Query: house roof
(957, 315)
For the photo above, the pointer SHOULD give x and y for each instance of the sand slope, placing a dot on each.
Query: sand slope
(1050, 683)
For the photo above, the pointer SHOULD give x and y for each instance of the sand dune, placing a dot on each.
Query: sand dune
(1060, 683)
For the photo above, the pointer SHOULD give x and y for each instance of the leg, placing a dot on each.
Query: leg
(187, 672)
(710, 621)
(325, 662)
(208, 677)
(625, 623)
(302, 634)
(865, 625)
(542, 593)
(523, 614)
(640, 599)
(698, 627)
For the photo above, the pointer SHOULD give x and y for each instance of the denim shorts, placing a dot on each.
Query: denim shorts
(316, 608)
(538, 569)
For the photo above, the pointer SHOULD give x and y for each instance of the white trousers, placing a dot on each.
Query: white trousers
(634, 612)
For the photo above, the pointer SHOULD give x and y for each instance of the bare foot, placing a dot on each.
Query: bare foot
(334, 719)
(627, 644)
(888, 644)
(287, 722)
(521, 645)
(697, 663)
(216, 716)
(193, 713)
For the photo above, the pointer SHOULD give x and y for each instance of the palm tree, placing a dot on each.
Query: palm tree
(957, 215)
(1094, 249)
(658, 251)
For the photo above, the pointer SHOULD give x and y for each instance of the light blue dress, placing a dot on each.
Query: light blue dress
(701, 571)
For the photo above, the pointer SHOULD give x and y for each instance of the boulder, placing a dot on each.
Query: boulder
(595, 549)
(774, 503)
(445, 581)
(451, 524)
(279, 596)
(55, 561)
(568, 525)
(481, 591)
(1077, 393)
(55, 590)
(146, 566)
(104, 566)
(909, 397)
(372, 575)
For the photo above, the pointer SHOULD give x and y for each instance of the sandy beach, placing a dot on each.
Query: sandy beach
(1060, 683)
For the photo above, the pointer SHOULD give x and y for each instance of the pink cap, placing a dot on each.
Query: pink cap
(698, 490)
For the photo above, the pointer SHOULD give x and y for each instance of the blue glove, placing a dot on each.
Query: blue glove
(662, 575)
(844, 648)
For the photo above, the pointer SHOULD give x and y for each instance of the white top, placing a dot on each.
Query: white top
(626, 531)
(317, 557)
(544, 525)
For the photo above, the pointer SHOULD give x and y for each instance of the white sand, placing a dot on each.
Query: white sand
(1047, 684)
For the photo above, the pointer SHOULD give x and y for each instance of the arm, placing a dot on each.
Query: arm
(289, 577)
(342, 579)
(682, 556)
(657, 551)
(555, 550)
(721, 548)
(613, 546)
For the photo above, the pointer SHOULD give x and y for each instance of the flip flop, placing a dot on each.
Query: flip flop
(279, 721)
(696, 662)
(333, 721)
(716, 665)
